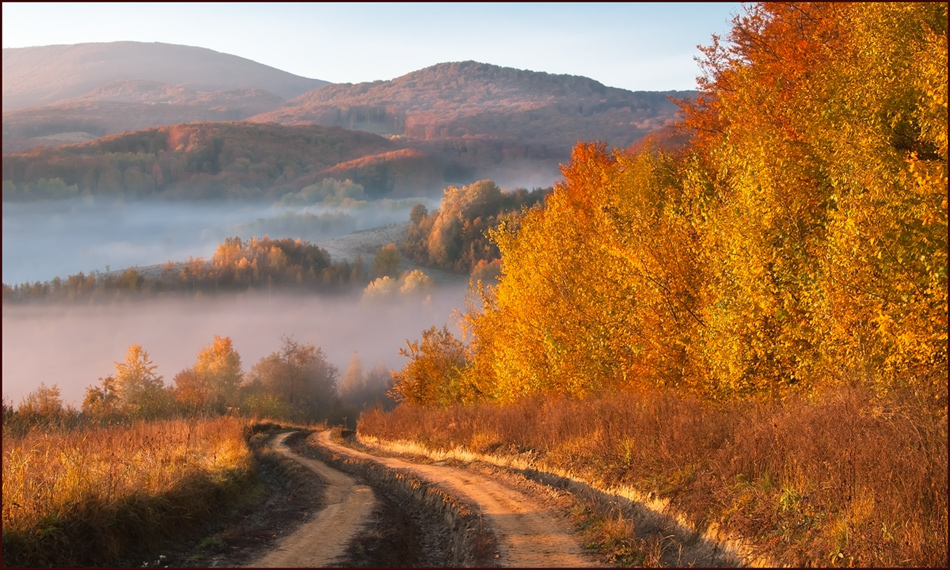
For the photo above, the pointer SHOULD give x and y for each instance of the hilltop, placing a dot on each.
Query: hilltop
(464, 100)
(451, 123)
(36, 76)
(56, 95)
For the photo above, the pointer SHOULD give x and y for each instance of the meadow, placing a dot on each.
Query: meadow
(96, 495)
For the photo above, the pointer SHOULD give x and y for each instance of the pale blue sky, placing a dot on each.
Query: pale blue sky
(636, 46)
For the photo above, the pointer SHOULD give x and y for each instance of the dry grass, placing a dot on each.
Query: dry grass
(846, 479)
(92, 496)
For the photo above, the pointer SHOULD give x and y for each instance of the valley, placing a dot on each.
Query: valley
(473, 315)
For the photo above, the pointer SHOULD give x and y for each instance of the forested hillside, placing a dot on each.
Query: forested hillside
(465, 100)
(127, 105)
(456, 235)
(218, 160)
(798, 240)
(748, 331)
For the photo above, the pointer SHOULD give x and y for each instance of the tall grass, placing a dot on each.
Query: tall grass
(98, 495)
(846, 479)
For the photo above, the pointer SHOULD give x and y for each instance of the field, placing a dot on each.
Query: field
(95, 495)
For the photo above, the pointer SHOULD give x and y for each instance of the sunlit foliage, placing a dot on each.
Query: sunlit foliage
(455, 236)
(797, 239)
(139, 390)
(214, 380)
(92, 496)
(434, 373)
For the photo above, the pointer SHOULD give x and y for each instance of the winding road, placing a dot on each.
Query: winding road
(320, 541)
(529, 533)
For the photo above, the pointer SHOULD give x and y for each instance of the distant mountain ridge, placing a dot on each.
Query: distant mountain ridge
(458, 121)
(466, 99)
(35, 76)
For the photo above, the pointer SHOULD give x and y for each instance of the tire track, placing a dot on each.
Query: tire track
(530, 535)
(322, 540)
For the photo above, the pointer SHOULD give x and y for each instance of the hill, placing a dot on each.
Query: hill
(55, 95)
(219, 160)
(470, 100)
(124, 106)
(474, 120)
(42, 75)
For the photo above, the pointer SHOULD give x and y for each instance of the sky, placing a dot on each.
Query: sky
(635, 46)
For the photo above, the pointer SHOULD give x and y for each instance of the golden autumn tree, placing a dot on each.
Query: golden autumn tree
(140, 392)
(599, 287)
(798, 239)
(433, 374)
(219, 368)
(819, 129)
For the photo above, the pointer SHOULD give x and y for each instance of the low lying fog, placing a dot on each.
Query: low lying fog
(73, 347)
(44, 240)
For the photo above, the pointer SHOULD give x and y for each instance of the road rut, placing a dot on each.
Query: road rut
(530, 534)
(322, 540)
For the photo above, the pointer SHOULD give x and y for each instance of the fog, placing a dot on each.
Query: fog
(73, 346)
(44, 240)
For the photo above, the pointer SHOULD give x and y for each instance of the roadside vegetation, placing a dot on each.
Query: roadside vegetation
(843, 480)
(104, 495)
(751, 323)
(141, 462)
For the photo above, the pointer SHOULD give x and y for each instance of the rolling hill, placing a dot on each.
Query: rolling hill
(470, 100)
(230, 160)
(452, 122)
(55, 95)
(36, 76)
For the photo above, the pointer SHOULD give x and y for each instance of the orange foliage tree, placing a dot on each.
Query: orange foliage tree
(797, 240)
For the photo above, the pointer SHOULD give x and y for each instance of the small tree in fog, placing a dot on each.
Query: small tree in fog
(101, 402)
(354, 382)
(190, 392)
(218, 369)
(141, 392)
(386, 263)
(380, 289)
(44, 402)
(300, 375)
(417, 214)
(416, 284)
(434, 368)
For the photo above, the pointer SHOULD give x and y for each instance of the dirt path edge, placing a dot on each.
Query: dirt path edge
(468, 541)
(682, 545)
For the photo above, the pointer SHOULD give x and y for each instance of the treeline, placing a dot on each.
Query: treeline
(216, 161)
(455, 236)
(237, 265)
(295, 383)
(797, 241)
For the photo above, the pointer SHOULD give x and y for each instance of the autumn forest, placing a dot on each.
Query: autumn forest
(742, 316)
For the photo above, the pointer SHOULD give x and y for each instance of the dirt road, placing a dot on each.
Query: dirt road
(322, 540)
(530, 534)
